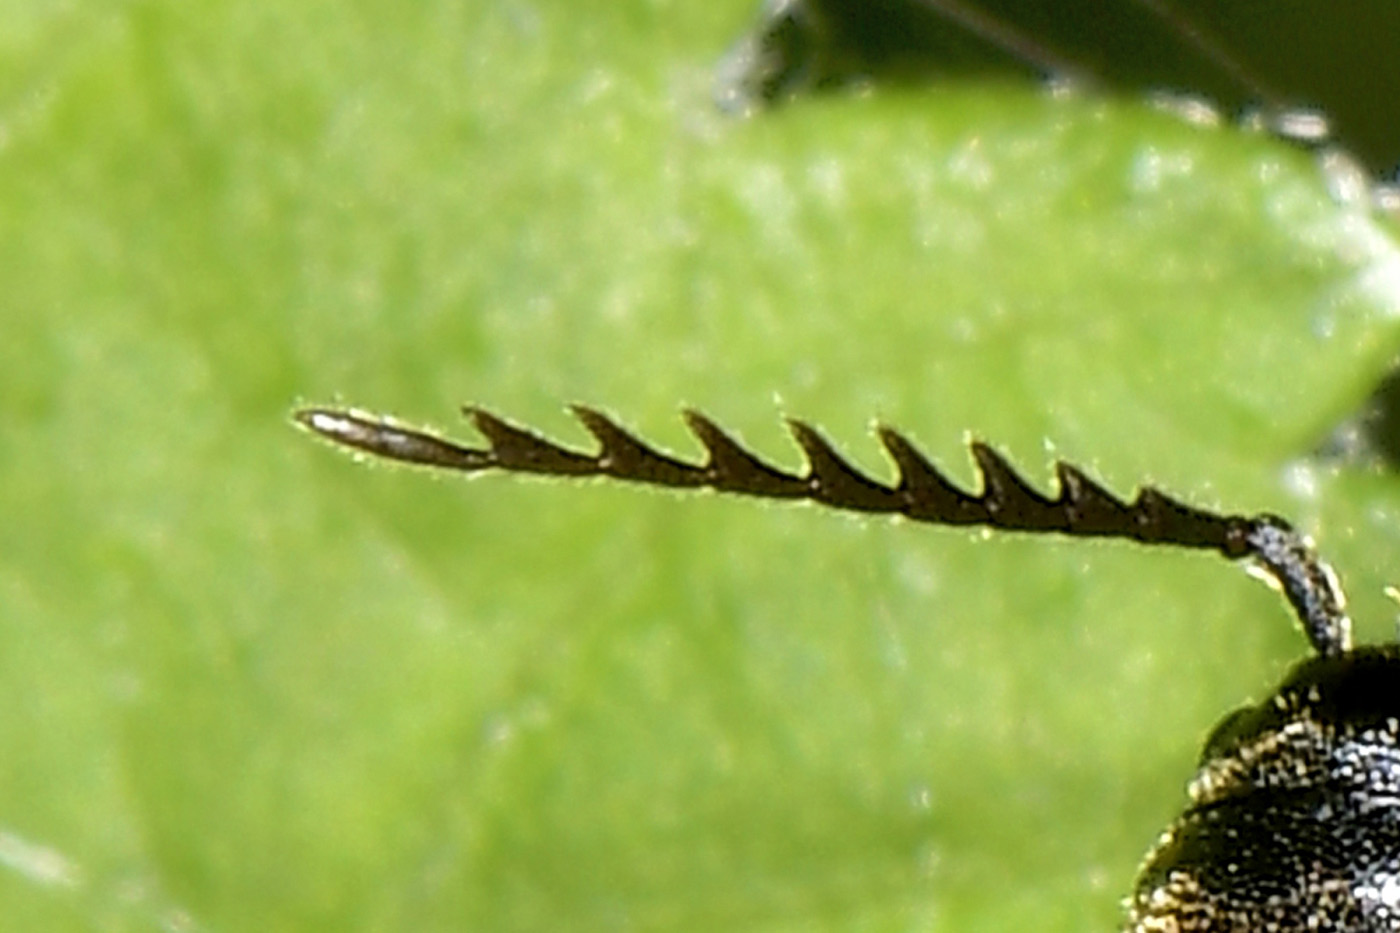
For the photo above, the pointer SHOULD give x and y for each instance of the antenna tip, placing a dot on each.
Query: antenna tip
(327, 422)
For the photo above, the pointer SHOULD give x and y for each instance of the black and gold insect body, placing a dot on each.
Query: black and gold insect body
(1293, 822)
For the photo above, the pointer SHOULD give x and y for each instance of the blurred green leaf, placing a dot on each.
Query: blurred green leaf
(251, 685)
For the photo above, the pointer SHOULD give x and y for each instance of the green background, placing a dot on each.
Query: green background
(249, 684)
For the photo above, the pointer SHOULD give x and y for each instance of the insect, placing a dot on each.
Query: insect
(1293, 818)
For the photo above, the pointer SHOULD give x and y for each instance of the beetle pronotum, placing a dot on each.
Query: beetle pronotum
(1293, 821)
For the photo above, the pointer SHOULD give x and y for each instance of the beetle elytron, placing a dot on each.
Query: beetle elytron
(1293, 822)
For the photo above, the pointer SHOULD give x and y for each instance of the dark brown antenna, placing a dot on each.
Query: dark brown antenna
(1080, 508)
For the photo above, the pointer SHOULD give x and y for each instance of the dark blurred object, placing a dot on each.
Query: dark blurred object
(1371, 437)
(1287, 63)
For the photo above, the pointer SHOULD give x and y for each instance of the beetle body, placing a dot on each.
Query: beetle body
(1294, 815)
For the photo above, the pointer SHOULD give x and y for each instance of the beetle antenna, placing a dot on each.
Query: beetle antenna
(1081, 508)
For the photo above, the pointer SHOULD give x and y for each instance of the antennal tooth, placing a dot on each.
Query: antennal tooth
(1163, 519)
(625, 457)
(1009, 500)
(927, 495)
(835, 482)
(1091, 509)
(525, 451)
(731, 468)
